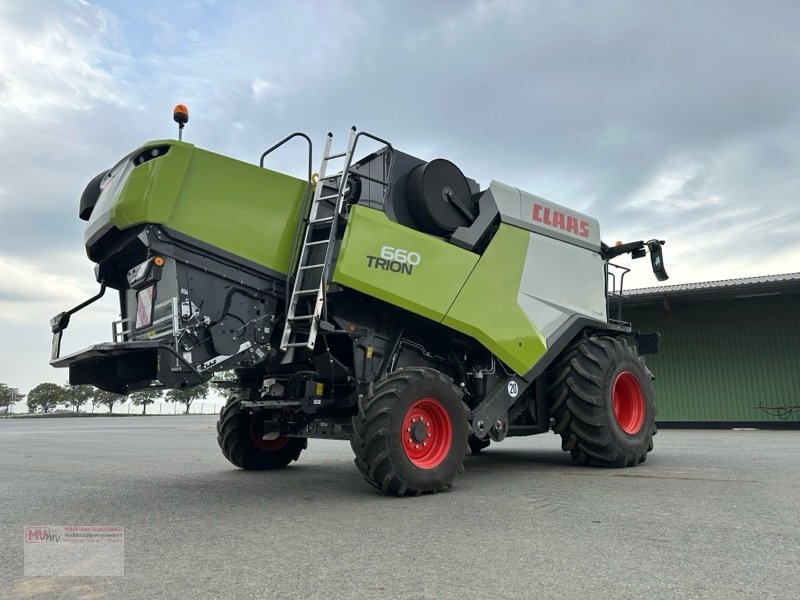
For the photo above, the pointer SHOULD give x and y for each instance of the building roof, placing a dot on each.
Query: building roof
(725, 288)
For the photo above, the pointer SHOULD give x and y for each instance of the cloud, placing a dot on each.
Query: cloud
(675, 120)
(57, 60)
(30, 290)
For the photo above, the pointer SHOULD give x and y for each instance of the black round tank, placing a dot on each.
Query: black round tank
(439, 197)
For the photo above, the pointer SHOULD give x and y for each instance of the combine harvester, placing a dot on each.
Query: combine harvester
(388, 301)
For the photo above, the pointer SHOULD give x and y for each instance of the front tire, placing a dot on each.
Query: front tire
(238, 436)
(410, 433)
(602, 401)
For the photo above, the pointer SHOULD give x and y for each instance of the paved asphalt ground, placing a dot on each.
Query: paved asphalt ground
(712, 514)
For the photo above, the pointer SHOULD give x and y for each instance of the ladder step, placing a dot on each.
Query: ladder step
(307, 326)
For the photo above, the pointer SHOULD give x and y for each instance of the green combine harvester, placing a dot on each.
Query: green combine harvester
(388, 301)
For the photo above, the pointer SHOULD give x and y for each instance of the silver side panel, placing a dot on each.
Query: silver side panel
(544, 217)
(558, 281)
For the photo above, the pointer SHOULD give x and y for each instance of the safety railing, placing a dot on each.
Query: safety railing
(614, 295)
(124, 330)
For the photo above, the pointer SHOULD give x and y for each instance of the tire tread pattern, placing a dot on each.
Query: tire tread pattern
(376, 457)
(579, 402)
(233, 437)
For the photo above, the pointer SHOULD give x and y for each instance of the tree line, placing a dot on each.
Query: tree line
(47, 397)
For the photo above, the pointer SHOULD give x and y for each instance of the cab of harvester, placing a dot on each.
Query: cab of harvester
(383, 291)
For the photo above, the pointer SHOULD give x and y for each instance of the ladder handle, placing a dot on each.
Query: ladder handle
(304, 208)
(372, 137)
(311, 220)
(283, 141)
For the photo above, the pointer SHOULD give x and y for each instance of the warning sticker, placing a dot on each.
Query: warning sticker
(144, 306)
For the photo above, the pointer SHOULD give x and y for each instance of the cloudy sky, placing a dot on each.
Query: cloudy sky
(677, 120)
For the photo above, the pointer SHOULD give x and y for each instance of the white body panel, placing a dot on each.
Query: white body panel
(558, 281)
(547, 218)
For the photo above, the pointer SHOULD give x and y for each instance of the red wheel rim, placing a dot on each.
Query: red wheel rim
(628, 402)
(265, 445)
(426, 433)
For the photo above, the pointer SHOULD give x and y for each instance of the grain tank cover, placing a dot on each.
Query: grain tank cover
(547, 218)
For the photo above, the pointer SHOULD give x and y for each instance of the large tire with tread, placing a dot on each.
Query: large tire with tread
(410, 433)
(238, 437)
(602, 401)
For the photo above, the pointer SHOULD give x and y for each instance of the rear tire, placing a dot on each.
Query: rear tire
(410, 433)
(602, 401)
(238, 435)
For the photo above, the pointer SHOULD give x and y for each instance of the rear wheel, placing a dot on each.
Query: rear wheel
(410, 434)
(602, 402)
(239, 434)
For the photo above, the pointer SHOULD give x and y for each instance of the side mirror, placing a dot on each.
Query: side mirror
(657, 259)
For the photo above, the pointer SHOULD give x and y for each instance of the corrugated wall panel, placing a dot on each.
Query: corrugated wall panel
(736, 359)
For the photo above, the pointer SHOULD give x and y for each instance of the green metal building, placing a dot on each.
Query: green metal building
(729, 353)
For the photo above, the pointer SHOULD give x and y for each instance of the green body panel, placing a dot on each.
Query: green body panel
(239, 207)
(428, 289)
(487, 308)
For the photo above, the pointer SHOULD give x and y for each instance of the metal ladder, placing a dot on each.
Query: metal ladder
(312, 273)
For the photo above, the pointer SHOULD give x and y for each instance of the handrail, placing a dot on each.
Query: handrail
(304, 208)
(387, 183)
(282, 142)
(345, 174)
(614, 293)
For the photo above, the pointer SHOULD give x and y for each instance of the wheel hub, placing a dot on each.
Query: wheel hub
(419, 432)
(427, 433)
(257, 433)
(628, 402)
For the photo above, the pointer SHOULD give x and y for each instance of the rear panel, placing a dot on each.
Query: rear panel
(238, 207)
